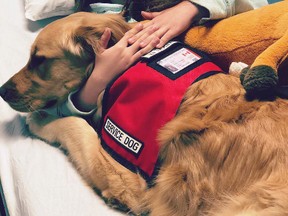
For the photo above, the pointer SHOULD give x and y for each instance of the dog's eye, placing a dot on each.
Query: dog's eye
(36, 61)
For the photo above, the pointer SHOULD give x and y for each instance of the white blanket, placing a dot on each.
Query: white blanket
(37, 179)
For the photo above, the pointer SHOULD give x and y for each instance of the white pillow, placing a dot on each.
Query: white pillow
(41, 9)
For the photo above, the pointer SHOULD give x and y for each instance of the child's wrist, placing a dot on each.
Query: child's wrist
(202, 12)
(82, 103)
(86, 98)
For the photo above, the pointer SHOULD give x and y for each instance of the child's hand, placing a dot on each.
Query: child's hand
(111, 62)
(166, 24)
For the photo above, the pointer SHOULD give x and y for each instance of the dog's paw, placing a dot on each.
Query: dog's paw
(259, 82)
(113, 202)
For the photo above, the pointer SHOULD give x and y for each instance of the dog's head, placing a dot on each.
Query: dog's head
(61, 58)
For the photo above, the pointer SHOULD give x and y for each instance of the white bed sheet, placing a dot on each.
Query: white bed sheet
(37, 179)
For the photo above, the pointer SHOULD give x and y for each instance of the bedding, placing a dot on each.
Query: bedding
(37, 179)
(37, 10)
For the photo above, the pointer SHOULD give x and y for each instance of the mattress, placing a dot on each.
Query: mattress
(37, 179)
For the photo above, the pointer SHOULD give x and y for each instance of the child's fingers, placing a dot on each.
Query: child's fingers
(144, 31)
(145, 35)
(165, 38)
(146, 49)
(138, 28)
(147, 38)
(104, 40)
(149, 15)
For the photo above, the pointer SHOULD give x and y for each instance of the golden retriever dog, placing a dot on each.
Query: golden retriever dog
(222, 155)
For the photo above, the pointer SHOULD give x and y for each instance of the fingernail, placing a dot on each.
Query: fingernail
(156, 42)
(159, 45)
(155, 28)
(142, 44)
(131, 40)
(140, 25)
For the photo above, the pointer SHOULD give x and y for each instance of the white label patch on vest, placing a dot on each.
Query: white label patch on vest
(179, 60)
(122, 138)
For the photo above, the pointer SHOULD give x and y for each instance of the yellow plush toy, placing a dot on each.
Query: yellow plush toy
(258, 38)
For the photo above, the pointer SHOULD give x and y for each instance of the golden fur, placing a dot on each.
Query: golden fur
(222, 154)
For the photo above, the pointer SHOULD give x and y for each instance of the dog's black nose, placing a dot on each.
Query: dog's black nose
(2, 92)
(6, 93)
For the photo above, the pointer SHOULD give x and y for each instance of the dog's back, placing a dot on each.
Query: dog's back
(235, 164)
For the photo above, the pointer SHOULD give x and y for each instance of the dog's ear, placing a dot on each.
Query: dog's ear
(86, 38)
(86, 41)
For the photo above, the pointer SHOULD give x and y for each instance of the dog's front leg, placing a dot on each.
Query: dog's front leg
(118, 185)
(78, 138)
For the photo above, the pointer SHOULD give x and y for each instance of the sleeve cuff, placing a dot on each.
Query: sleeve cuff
(73, 109)
(217, 9)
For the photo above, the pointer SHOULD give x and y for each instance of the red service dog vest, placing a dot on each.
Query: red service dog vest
(144, 98)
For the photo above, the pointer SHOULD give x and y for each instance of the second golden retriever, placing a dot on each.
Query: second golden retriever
(222, 155)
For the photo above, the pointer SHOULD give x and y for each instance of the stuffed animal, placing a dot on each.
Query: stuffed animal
(258, 38)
